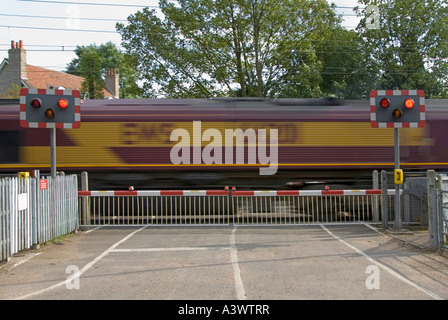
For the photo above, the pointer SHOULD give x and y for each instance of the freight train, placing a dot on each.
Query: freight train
(212, 143)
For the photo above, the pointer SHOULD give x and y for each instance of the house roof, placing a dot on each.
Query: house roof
(39, 77)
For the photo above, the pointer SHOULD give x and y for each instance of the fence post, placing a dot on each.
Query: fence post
(375, 185)
(5, 235)
(36, 209)
(384, 199)
(230, 206)
(85, 201)
(433, 210)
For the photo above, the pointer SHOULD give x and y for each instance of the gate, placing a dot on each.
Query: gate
(222, 207)
(438, 209)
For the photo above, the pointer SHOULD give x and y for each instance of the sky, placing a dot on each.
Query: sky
(50, 41)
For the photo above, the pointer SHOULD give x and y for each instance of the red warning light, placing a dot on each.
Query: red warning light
(36, 103)
(62, 103)
(409, 103)
(385, 103)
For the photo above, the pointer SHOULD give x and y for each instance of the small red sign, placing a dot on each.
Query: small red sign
(43, 184)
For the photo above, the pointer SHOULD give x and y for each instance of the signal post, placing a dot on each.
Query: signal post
(397, 109)
(42, 108)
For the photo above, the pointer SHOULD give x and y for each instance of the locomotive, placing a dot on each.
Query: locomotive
(212, 143)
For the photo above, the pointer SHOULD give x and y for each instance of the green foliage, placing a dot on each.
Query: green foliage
(90, 69)
(285, 48)
(12, 92)
(410, 46)
(347, 70)
(205, 48)
(110, 57)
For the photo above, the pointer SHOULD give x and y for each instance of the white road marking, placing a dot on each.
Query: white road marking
(239, 287)
(384, 267)
(90, 230)
(24, 260)
(170, 249)
(84, 269)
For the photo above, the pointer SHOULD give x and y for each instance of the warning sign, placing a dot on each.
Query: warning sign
(43, 184)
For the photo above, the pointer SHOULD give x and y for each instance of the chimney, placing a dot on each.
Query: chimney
(112, 82)
(17, 61)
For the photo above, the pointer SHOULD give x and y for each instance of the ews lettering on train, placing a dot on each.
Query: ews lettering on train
(158, 133)
(136, 133)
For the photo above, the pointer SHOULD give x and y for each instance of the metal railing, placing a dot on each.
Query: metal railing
(32, 213)
(154, 207)
(227, 207)
(304, 207)
(414, 198)
(15, 220)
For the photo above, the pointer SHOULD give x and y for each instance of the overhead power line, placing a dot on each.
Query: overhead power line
(101, 19)
(57, 29)
(41, 50)
(138, 5)
(62, 18)
(61, 46)
(93, 3)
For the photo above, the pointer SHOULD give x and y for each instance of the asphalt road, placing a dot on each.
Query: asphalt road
(227, 263)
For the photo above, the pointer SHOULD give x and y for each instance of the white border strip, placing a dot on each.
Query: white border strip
(239, 287)
(195, 192)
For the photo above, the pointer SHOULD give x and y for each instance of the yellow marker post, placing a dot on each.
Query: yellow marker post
(398, 176)
(24, 174)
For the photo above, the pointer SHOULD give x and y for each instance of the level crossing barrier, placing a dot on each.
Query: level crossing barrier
(154, 207)
(168, 207)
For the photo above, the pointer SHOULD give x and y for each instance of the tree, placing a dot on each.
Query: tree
(90, 69)
(110, 58)
(12, 92)
(410, 46)
(347, 69)
(203, 48)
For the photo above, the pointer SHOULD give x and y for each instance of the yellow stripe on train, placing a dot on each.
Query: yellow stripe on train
(290, 134)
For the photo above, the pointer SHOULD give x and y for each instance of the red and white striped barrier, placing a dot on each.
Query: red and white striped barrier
(156, 193)
(307, 193)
